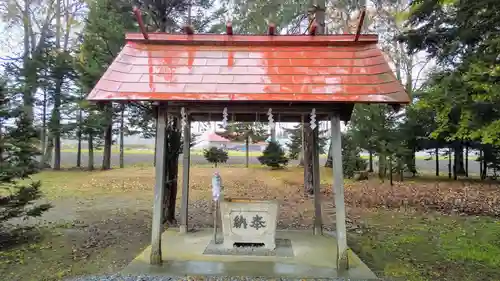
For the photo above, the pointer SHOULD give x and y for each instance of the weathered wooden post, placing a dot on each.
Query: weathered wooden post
(338, 191)
(186, 162)
(160, 176)
(318, 223)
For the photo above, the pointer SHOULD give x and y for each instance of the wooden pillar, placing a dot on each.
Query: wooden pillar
(318, 224)
(186, 161)
(338, 191)
(160, 177)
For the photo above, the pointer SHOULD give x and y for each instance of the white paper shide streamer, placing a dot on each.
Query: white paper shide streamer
(183, 118)
(224, 117)
(216, 186)
(312, 123)
(270, 118)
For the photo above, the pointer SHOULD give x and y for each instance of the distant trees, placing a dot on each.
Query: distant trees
(296, 142)
(248, 132)
(215, 155)
(463, 92)
(351, 159)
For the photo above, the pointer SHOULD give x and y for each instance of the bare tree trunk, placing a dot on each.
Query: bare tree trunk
(370, 162)
(108, 138)
(481, 155)
(467, 160)
(28, 71)
(390, 170)
(329, 160)
(413, 162)
(79, 137)
(484, 164)
(485, 169)
(1, 146)
(459, 158)
(381, 166)
(90, 164)
(173, 135)
(436, 151)
(401, 171)
(122, 158)
(56, 125)
(449, 163)
(56, 111)
(44, 123)
(47, 156)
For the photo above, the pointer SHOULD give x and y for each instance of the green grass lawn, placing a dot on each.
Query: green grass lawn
(419, 247)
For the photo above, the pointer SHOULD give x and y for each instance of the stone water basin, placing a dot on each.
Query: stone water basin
(249, 221)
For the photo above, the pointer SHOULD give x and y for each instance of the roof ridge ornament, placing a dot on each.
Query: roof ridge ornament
(229, 28)
(270, 117)
(312, 123)
(224, 118)
(360, 24)
(183, 118)
(138, 16)
(271, 30)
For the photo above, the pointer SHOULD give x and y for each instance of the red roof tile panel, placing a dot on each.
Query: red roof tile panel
(221, 67)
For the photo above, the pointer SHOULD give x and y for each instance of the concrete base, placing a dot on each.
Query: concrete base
(283, 249)
(314, 257)
(183, 229)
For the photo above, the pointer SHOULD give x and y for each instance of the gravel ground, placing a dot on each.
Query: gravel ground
(208, 278)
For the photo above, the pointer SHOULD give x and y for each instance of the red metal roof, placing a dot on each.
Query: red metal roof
(331, 68)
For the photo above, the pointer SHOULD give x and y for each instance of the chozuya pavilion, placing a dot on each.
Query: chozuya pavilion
(206, 77)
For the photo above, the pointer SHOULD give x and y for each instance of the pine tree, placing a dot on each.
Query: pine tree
(351, 159)
(273, 156)
(240, 131)
(18, 151)
(295, 143)
(215, 155)
(249, 132)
